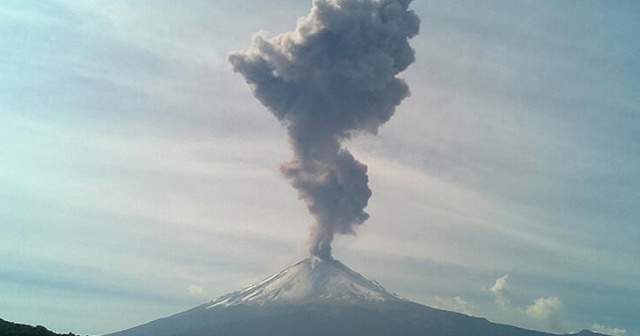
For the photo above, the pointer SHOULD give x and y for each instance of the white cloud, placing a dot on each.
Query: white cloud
(501, 291)
(548, 310)
(543, 308)
(599, 328)
(456, 304)
(194, 290)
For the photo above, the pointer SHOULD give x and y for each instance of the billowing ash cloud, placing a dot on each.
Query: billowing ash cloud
(333, 76)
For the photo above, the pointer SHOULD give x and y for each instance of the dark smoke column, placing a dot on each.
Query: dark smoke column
(333, 76)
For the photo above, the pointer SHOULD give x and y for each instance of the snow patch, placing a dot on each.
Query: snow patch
(310, 280)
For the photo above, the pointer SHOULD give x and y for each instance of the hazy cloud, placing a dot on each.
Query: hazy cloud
(500, 289)
(455, 303)
(548, 310)
(599, 328)
(194, 290)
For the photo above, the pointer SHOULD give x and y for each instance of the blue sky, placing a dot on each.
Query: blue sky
(139, 177)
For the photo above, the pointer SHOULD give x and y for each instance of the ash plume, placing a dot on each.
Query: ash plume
(334, 76)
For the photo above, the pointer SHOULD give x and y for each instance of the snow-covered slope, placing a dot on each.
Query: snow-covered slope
(310, 280)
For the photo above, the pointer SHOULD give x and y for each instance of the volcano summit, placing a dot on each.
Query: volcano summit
(320, 297)
(312, 280)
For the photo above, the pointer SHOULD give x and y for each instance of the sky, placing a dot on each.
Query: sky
(139, 176)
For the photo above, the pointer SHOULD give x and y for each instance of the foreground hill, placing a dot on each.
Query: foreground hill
(317, 297)
(15, 329)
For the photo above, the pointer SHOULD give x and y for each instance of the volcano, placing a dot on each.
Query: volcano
(321, 297)
(312, 280)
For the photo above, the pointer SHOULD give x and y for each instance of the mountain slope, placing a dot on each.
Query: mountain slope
(317, 297)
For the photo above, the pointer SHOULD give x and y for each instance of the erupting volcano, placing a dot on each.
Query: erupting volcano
(334, 76)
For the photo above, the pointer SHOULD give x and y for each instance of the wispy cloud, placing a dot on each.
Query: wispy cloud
(455, 303)
(599, 328)
(194, 290)
(501, 291)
